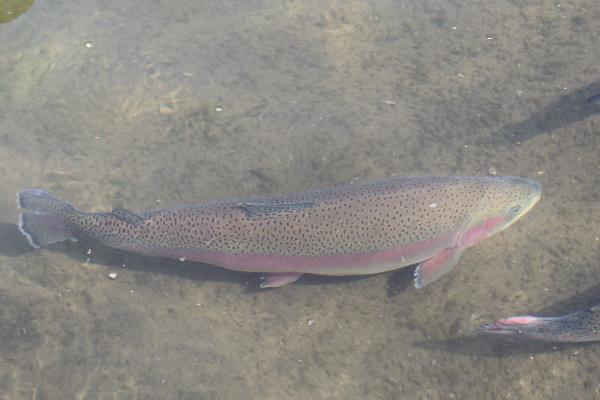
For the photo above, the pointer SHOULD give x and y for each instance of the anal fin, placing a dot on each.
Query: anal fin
(437, 266)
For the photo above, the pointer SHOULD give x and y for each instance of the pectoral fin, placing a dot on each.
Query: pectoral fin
(279, 279)
(437, 266)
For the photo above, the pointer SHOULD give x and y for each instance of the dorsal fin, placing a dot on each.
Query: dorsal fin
(128, 216)
(267, 209)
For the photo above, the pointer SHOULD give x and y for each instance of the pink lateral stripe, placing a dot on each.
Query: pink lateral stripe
(343, 264)
(519, 320)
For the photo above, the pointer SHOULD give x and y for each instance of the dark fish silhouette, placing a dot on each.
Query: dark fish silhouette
(574, 106)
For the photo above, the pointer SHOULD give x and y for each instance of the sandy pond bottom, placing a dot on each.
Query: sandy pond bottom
(144, 105)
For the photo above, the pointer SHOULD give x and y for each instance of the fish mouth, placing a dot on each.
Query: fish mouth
(536, 190)
(535, 196)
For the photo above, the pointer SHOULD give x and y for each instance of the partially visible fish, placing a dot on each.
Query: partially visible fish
(349, 230)
(594, 100)
(580, 326)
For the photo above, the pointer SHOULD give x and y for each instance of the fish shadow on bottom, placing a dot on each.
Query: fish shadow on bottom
(569, 108)
(481, 345)
(499, 347)
(14, 244)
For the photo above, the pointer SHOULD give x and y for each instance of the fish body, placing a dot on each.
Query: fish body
(580, 326)
(355, 229)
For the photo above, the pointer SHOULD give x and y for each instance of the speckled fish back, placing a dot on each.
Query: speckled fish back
(344, 220)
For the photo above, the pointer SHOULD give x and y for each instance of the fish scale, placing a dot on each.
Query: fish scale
(346, 221)
(352, 229)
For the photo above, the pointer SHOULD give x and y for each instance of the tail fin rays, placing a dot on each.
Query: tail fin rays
(43, 221)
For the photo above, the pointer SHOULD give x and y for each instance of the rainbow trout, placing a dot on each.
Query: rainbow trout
(580, 326)
(356, 229)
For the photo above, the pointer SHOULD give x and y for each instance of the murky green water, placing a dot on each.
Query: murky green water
(144, 104)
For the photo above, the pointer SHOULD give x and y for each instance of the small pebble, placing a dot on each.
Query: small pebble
(492, 171)
(165, 109)
(310, 322)
(389, 102)
(112, 275)
(218, 108)
(188, 74)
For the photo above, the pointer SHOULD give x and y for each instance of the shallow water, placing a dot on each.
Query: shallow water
(145, 104)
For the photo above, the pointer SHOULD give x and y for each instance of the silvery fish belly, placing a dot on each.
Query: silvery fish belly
(348, 230)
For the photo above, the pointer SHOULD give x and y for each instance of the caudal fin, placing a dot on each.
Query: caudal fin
(43, 218)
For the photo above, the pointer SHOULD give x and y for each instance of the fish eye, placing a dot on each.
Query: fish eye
(515, 209)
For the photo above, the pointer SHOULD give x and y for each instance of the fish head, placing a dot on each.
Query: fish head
(580, 326)
(517, 328)
(505, 200)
